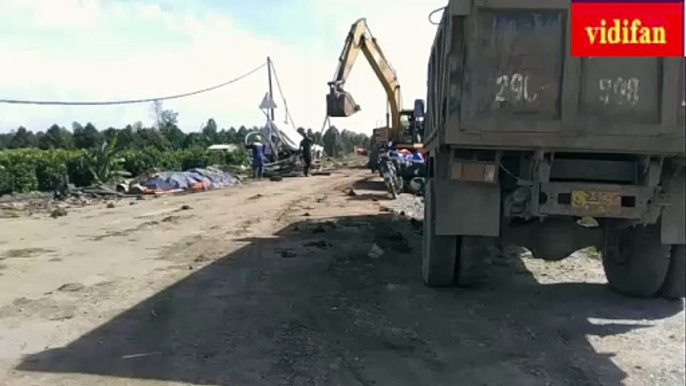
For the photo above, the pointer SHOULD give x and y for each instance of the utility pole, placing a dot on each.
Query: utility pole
(271, 93)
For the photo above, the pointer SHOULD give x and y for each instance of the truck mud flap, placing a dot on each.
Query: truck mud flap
(467, 208)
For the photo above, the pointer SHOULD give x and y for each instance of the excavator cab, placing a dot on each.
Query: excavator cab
(412, 125)
(340, 103)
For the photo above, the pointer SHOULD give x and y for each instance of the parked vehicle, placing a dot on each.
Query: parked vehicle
(389, 172)
(523, 141)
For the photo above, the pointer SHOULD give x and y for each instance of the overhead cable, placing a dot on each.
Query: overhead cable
(435, 11)
(132, 101)
(283, 97)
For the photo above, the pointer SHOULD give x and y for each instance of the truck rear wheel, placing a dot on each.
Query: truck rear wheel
(438, 252)
(674, 286)
(451, 260)
(635, 261)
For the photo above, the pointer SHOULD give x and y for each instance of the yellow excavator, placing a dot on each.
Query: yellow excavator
(406, 126)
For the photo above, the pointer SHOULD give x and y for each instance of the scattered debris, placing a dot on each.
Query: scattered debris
(402, 246)
(255, 197)
(351, 192)
(8, 214)
(58, 212)
(375, 252)
(24, 253)
(323, 244)
(306, 214)
(186, 207)
(394, 235)
(288, 253)
(132, 203)
(71, 287)
(589, 252)
(101, 191)
(395, 287)
(110, 205)
(147, 354)
(200, 259)
(60, 318)
(276, 178)
(170, 218)
(140, 198)
(319, 229)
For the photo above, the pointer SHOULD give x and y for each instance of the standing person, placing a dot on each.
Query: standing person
(257, 156)
(306, 151)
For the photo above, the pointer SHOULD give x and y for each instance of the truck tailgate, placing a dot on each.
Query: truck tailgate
(501, 75)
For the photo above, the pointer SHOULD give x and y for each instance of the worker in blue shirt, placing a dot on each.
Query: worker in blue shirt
(257, 156)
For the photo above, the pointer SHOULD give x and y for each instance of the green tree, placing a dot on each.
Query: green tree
(56, 138)
(332, 145)
(168, 118)
(126, 138)
(22, 139)
(5, 140)
(195, 140)
(210, 131)
(87, 137)
(240, 135)
(110, 133)
(232, 135)
(151, 137)
(174, 136)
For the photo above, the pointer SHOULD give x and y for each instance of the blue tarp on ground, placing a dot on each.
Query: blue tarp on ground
(213, 178)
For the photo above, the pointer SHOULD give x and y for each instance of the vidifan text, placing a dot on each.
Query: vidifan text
(626, 32)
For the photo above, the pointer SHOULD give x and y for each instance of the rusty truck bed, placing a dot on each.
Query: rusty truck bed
(501, 76)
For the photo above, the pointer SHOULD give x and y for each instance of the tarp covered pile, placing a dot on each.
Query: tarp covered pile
(193, 179)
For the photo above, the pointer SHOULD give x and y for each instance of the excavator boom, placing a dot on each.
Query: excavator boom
(340, 103)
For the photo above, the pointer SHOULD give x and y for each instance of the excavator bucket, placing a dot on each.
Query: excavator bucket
(340, 104)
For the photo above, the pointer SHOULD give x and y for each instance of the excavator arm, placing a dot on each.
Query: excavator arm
(340, 103)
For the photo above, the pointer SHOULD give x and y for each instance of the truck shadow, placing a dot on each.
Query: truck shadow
(342, 303)
(375, 185)
(375, 190)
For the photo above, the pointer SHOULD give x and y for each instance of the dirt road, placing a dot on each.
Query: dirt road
(298, 283)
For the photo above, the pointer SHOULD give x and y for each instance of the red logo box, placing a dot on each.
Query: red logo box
(627, 28)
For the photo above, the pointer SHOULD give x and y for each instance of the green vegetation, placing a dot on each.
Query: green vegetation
(84, 155)
(27, 170)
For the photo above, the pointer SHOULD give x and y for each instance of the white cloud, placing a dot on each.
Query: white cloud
(120, 50)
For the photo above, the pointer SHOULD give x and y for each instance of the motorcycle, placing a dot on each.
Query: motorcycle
(394, 183)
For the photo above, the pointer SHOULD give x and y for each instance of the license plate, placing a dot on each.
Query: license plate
(594, 202)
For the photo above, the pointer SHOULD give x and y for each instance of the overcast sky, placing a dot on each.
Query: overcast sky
(122, 49)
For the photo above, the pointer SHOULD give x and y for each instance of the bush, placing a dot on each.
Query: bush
(26, 170)
(20, 167)
(51, 170)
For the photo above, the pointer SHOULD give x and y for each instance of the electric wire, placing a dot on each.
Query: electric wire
(435, 11)
(133, 101)
(283, 97)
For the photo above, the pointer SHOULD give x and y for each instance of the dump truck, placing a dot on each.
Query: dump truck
(527, 145)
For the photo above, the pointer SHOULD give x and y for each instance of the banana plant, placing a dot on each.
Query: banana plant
(106, 164)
